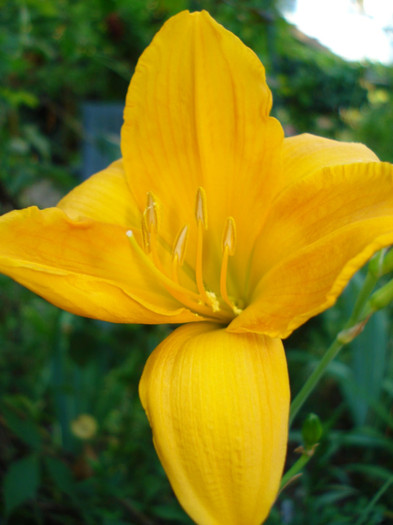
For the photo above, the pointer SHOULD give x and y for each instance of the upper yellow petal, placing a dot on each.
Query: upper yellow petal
(85, 267)
(218, 406)
(320, 231)
(197, 114)
(104, 197)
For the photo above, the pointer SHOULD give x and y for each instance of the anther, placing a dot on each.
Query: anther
(229, 238)
(179, 248)
(178, 252)
(200, 208)
(150, 214)
(146, 236)
(150, 229)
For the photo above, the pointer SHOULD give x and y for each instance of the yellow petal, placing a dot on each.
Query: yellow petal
(197, 115)
(85, 267)
(320, 231)
(306, 154)
(218, 406)
(104, 197)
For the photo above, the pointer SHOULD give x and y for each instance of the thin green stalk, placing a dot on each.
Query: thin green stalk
(295, 469)
(351, 329)
(311, 382)
(369, 283)
(373, 502)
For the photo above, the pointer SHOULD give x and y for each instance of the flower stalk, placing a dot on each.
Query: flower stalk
(353, 327)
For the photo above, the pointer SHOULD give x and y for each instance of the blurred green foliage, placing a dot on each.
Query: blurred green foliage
(75, 446)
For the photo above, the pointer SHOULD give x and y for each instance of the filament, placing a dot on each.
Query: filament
(178, 253)
(150, 229)
(228, 249)
(201, 219)
(185, 297)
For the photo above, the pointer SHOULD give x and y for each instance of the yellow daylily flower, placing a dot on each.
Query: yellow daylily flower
(214, 219)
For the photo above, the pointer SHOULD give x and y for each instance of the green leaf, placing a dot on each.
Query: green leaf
(26, 430)
(60, 474)
(167, 513)
(21, 482)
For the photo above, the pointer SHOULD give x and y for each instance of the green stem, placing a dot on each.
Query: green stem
(365, 292)
(311, 382)
(373, 502)
(345, 336)
(296, 467)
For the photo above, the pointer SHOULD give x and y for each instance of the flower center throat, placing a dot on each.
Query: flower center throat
(202, 301)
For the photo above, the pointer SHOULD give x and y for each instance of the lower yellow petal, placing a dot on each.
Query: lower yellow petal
(218, 407)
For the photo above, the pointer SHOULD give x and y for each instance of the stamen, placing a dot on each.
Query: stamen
(229, 238)
(228, 248)
(201, 218)
(200, 208)
(150, 228)
(185, 297)
(150, 214)
(146, 237)
(179, 250)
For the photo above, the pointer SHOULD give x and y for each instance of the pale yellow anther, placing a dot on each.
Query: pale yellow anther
(150, 214)
(200, 208)
(146, 236)
(229, 237)
(179, 248)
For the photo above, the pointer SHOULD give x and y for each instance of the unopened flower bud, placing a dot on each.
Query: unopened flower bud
(311, 431)
(382, 297)
(387, 264)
